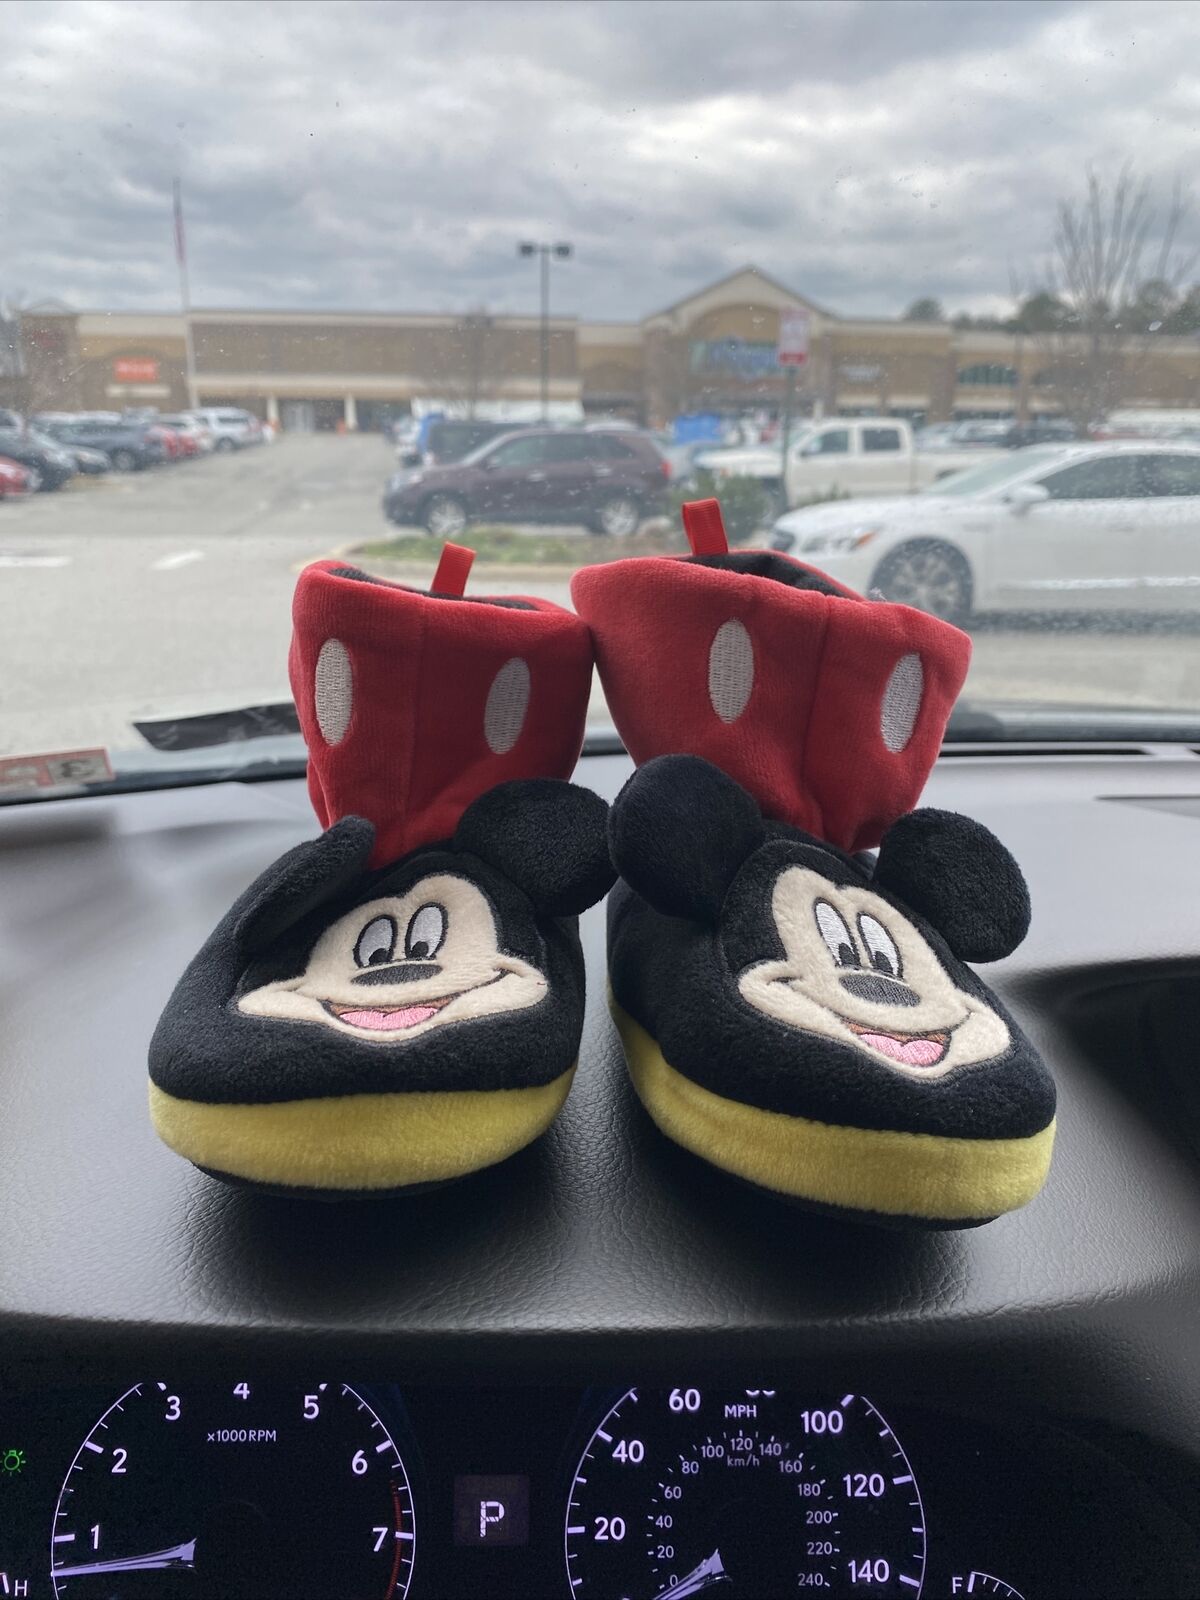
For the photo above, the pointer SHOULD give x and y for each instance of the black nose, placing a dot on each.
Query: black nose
(879, 989)
(410, 972)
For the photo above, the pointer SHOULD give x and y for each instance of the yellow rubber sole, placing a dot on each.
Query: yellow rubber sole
(361, 1141)
(924, 1176)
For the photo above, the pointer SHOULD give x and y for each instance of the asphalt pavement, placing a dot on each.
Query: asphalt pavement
(167, 593)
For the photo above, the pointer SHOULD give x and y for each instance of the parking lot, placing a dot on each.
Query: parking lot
(167, 593)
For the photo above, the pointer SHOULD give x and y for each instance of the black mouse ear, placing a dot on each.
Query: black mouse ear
(548, 837)
(300, 881)
(950, 870)
(679, 831)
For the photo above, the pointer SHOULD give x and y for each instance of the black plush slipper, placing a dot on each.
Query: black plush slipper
(349, 1030)
(803, 1019)
(400, 1001)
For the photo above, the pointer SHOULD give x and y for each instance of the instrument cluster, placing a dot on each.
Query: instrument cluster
(253, 1489)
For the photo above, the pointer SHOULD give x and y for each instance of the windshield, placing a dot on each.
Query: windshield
(345, 237)
(994, 474)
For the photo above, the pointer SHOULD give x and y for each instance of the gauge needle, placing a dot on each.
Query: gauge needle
(711, 1570)
(180, 1555)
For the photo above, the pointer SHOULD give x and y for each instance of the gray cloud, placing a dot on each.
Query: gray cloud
(390, 155)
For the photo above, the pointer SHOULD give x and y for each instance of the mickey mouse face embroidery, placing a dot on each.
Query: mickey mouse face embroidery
(858, 972)
(396, 968)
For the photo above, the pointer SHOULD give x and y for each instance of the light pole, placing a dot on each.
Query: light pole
(561, 252)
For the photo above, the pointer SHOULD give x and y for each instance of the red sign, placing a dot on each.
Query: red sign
(793, 339)
(135, 369)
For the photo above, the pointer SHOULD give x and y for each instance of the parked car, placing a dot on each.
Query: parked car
(130, 446)
(231, 428)
(1041, 430)
(607, 482)
(45, 459)
(171, 442)
(982, 430)
(938, 436)
(842, 455)
(448, 439)
(191, 428)
(1084, 527)
(93, 463)
(14, 479)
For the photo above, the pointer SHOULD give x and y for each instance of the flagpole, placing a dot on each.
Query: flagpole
(185, 299)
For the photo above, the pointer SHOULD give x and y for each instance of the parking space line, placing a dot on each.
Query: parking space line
(15, 559)
(182, 558)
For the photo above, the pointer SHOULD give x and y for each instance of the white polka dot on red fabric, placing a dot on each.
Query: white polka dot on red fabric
(507, 704)
(333, 691)
(730, 670)
(901, 704)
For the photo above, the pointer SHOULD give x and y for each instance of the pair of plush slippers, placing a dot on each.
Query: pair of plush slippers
(400, 1001)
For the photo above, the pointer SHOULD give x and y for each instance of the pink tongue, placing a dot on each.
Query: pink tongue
(388, 1021)
(913, 1052)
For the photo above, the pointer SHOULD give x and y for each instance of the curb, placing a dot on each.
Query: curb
(490, 570)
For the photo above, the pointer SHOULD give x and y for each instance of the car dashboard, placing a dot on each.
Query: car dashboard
(601, 1370)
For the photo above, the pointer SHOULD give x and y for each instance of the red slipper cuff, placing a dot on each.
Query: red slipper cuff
(413, 704)
(827, 707)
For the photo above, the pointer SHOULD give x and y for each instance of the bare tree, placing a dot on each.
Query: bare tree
(469, 376)
(1108, 244)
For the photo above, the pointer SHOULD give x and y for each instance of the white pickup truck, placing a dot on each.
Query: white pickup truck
(842, 455)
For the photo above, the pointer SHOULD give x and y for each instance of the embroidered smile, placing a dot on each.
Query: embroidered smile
(393, 1019)
(911, 1049)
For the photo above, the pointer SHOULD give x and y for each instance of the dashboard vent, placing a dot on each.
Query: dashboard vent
(1069, 752)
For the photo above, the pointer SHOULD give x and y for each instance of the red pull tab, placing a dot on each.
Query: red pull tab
(705, 528)
(453, 569)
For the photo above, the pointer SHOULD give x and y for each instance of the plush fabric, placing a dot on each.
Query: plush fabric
(960, 877)
(348, 1028)
(680, 832)
(795, 982)
(413, 704)
(400, 1000)
(826, 707)
(300, 882)
(547, 837)
(359, 1143)
(889, 1175)
(207, 1047)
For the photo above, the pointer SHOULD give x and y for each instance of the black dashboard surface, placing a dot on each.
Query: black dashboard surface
(603, 1256)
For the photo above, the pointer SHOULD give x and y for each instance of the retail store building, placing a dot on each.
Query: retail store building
(714, 350)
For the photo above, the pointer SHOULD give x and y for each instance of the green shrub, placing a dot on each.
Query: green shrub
(745, 504)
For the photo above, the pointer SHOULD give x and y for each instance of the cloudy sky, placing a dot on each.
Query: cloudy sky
(357, 154)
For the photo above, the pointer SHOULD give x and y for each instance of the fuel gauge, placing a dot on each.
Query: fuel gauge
(983, 1583)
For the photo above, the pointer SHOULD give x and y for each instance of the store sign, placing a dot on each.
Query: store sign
(135, 369)
(740, 358)
(793, 338)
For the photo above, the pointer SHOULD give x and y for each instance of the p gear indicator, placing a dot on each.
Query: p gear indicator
(491, 1510)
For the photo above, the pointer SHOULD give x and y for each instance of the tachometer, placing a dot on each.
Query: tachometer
(755, 1492)
(249, 1490)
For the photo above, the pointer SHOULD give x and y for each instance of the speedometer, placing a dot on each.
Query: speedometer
(759, 1493)
(240, 1492)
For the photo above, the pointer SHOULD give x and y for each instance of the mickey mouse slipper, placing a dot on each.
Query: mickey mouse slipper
(399, 1001)
(794, 1011)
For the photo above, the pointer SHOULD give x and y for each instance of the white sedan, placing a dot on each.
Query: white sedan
(1084, 527)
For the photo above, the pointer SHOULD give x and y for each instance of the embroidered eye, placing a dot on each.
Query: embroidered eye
(881, 947)
(376, 943)
(426, 933)
(836, 935)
